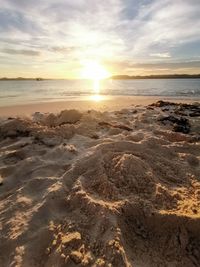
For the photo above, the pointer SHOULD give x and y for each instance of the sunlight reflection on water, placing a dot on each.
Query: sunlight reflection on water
(96, 98)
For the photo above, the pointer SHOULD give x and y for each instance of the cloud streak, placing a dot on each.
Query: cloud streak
(21, 52)
(161, 55)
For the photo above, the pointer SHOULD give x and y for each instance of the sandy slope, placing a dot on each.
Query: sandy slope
(101, 188)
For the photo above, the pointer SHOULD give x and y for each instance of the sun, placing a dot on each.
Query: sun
(93, 70)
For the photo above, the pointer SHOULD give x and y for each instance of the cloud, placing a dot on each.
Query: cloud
(15, 20)
(20, 52)
(106, 30)
(168, 65)
(131, 68)
(163, 25)
(161, 55)
(63, 49)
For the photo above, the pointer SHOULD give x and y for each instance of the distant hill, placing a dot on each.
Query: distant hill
(166, 76)
(21, 79)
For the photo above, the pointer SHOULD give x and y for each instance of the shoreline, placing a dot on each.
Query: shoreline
(108, 103)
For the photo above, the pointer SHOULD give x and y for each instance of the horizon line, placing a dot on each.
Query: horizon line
(117, 76)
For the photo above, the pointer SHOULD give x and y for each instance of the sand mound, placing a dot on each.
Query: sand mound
(104, 189)
(52, 120)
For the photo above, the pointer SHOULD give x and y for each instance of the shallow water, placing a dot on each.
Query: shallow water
(23, 92)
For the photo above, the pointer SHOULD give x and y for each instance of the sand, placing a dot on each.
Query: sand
(101, 188)
(100, 103)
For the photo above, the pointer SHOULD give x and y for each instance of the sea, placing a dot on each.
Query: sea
(32, 91)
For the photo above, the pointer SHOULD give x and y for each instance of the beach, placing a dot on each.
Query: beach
(108, 182)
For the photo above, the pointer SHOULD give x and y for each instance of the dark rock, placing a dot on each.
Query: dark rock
(150, 108)
(183, 109)
(95, 136)
(179, 124)
(182, 128)
(169, 119)
(195, 113)
(162, 103)
(120, 126)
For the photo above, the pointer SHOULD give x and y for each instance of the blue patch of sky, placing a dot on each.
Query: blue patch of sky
(188, 50)
(10, 20)
(132, 8)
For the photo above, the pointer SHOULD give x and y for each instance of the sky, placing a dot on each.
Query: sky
(53, 39)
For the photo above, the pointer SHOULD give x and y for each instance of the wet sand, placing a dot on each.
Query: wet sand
(104, 103)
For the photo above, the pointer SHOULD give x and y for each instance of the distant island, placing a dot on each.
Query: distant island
(21, 79)
(164, 76)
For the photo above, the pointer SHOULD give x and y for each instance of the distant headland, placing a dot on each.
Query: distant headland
(164, 76)
(21, 79)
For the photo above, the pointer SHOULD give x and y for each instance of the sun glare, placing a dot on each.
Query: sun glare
(93, 70)
(96, 98)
